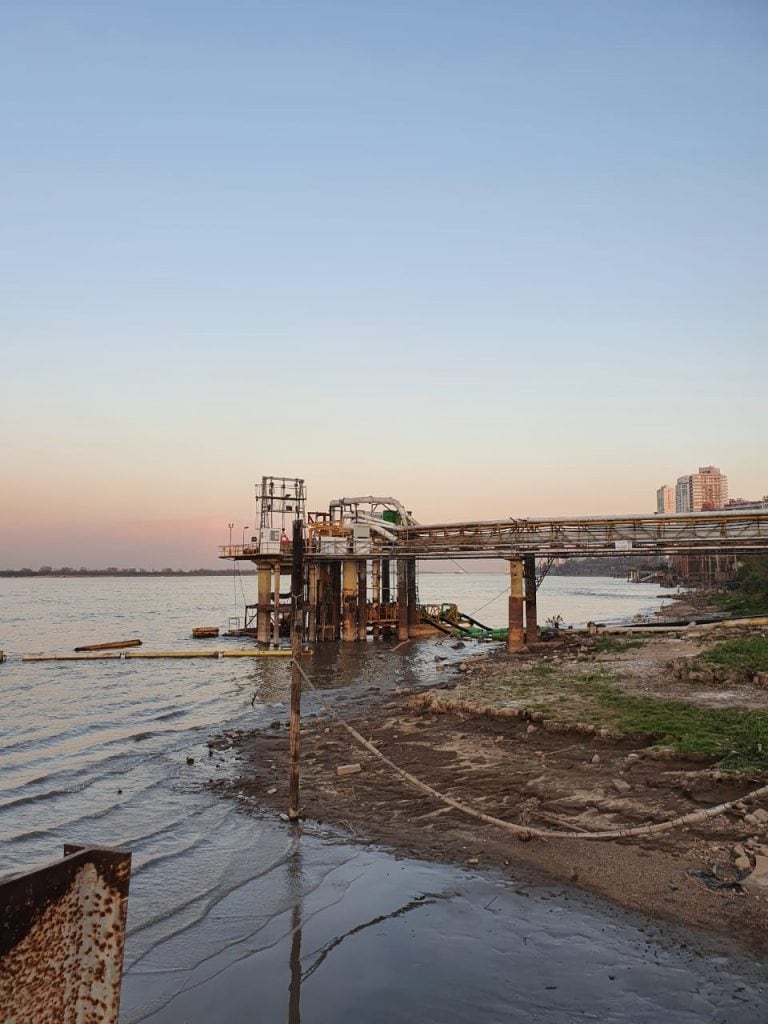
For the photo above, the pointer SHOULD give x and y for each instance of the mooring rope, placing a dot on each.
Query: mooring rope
(482, 606)
(527, 831)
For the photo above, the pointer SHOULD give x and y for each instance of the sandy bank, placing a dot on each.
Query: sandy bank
(474, 740)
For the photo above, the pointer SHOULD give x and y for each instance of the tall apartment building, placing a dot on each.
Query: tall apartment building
(702, 491)
(665, 499)
(709, 489)
(683, 494)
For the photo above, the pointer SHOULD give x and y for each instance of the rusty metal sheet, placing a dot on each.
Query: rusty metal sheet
(62, 935)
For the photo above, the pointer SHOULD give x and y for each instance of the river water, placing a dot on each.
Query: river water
(236, 917)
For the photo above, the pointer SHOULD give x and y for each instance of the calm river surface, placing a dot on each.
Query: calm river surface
(237, 918)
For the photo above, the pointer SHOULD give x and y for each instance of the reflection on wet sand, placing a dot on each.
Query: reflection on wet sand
(295, 885)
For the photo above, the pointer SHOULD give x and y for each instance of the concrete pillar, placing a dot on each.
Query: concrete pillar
(516, 636)
(531, 622)
(362, 600)
(349, 600)
(313, 602)
(402, 599)
(265, 605)
(276, 599)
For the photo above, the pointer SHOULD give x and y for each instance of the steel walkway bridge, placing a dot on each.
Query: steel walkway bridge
(685, 533)
(358, 560)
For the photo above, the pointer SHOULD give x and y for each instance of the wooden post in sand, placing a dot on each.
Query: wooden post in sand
(297, 629)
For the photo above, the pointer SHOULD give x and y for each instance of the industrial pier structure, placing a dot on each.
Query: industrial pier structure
(359, 559)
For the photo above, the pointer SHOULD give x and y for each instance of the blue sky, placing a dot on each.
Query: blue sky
(493, 257)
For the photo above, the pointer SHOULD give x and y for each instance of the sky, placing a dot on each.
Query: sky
(505, 257)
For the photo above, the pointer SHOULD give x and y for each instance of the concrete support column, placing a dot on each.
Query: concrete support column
(362, 600)
(413, 608)
(531, 622)
(313, 602)
(349, 601)
(516, 636)
(276, 599)
(402, 599)
(265, 605)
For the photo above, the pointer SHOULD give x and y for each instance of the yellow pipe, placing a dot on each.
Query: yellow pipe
(116, 655)
(256, 654)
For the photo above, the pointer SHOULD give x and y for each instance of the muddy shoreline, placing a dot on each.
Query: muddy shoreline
(529, 771)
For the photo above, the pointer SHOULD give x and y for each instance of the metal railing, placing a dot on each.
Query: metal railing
(689, 533)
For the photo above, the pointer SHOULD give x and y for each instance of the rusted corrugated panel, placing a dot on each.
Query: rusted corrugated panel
(62, 934)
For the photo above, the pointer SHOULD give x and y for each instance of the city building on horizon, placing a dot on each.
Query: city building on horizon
(665, 499)
(696, 492)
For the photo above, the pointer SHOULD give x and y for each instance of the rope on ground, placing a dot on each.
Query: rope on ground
(526, 831)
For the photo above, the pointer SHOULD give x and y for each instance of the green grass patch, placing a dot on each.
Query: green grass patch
(740, 737)
(613, 645)
(738, 602)
(737, 739)
(749, 654)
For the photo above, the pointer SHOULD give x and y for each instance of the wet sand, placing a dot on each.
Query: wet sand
(362, 936)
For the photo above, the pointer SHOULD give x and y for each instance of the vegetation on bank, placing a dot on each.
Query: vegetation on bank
(736, 740)
(749, 593)
(750, 654)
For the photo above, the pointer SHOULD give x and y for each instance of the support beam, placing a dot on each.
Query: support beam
(531, 621)
(402, 599)
(349, 601)
(516, 638)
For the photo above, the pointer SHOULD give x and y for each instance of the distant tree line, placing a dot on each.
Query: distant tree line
(607, 566)
(113, 570)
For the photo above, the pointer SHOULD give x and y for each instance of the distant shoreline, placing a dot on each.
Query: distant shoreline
(58, 574)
